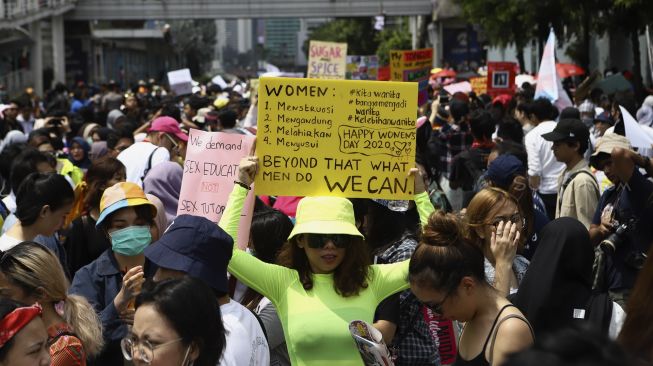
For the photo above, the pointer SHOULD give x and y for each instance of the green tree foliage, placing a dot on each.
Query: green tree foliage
(358, 33)
(504, 22)
(397, 37)
(194, 40)
(362, 38)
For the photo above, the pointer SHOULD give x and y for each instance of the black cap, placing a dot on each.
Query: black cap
(568, 129)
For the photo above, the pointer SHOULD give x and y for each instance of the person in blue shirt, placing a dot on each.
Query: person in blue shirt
(621, 226)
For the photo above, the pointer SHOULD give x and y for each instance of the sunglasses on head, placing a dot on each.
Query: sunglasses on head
(317, 241)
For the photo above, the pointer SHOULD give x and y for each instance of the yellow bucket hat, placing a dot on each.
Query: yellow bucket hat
(325, 215)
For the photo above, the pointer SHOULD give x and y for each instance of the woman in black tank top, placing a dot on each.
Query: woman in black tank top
(446, 273)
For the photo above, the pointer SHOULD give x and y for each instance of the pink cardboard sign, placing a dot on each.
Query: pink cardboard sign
(210, 169)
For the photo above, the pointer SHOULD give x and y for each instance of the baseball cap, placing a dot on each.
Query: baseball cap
(121, 195)
(502, 170)
(168, 125)
(604, 117)
(325, 215)
(196, 246)
(568, 129)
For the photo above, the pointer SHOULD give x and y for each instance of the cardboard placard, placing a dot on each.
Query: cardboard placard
(210, 168)
(413, 66)
(501, 78)
(181, 82)
(327, 60)
(362, 67)
(479, 84)
(336, 138)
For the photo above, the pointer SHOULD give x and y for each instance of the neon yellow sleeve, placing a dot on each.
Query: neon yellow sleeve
(424, 207)
(230, 219)
(388, 279)
(268, 279)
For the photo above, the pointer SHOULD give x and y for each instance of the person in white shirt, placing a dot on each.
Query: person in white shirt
(26, 118)
(194, 246)
(543, 168)
(162, 144)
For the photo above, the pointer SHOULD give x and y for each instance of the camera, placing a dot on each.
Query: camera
(635, 259)
(609, 245)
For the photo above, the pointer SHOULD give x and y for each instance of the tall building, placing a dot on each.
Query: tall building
(235, 37)
(281, 46)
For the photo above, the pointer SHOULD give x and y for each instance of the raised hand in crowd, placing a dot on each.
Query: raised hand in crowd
(503, 244)
(132, 283)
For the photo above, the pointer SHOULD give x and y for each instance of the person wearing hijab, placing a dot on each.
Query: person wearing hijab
(87, 130)
(114, 118)
(645, 115)
(12, 137)
(160, 220)
(164, 181)
(78, 153)
(556, 292)
(98, 150)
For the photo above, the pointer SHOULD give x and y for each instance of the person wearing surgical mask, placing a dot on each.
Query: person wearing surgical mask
(112, 281)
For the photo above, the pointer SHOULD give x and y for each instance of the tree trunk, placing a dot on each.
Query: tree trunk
(542, 35)
(586, 38)
(637, 65)
(520, 59)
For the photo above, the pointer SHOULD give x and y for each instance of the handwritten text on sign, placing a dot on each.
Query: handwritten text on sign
(412, 66)
(336, 138)
(327, 60)
(210, 169)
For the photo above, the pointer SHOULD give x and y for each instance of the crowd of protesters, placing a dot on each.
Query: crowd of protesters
(529, 231)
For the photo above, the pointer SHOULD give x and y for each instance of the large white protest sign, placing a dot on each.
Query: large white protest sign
(181, 82)
(634, 132)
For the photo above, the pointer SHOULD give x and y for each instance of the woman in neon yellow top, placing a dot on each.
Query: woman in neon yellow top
(330, 281)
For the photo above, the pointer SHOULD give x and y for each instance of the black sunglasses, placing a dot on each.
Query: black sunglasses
(437, 308)
(317, 241)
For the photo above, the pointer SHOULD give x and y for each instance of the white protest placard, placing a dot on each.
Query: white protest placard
(180, 81)
(637, 136)
(462, 87)
(219, 81)
(210, 169)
